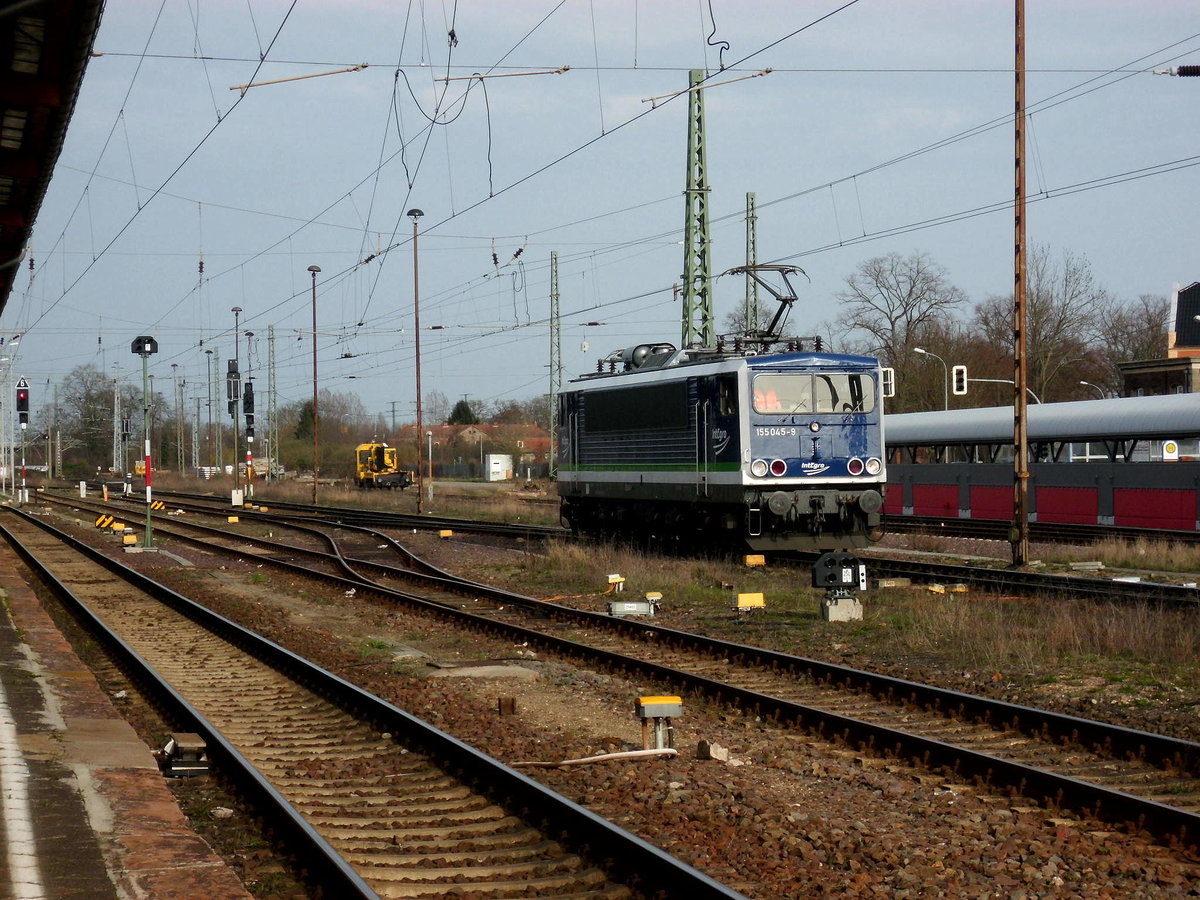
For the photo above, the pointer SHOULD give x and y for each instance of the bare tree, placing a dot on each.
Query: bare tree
(85, 408)
(1065, 307)
(894, 299)
(894, 303)
(1136, 330)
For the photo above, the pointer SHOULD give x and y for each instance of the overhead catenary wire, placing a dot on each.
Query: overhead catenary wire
(628, 244)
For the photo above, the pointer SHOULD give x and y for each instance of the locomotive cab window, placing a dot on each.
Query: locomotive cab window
(783, 393)
(799, 393)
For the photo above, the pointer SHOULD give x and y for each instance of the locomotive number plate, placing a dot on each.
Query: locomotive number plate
(775, 432)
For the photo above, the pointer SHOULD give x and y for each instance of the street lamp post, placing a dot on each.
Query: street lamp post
(1099, 390)
(415, 215)
(945, 375)
(316, 418)
(145, 346)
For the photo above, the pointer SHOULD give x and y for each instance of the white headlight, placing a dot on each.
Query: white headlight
(874, 466)
(758, 468)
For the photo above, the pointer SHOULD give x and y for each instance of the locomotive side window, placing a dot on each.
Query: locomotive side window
(727, 390)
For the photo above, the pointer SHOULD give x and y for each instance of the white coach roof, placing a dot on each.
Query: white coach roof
(1170, 415)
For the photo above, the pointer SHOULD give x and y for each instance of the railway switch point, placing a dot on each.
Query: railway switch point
(184, 755)
(657, 712)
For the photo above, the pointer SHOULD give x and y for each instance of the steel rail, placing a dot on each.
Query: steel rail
(1106, 738)
(324, 864)
(633, 860)
(998, 579)
(1054, 789)
(355, 515)
(1060, 532)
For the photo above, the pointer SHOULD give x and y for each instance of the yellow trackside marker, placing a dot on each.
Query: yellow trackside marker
(232, 520)
(749, 601)
(104, 521)
(659, 706)
(117, 526)
(754, 559)
(445, 533)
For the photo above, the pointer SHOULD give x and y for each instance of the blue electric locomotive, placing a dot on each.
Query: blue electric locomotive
(770, 452)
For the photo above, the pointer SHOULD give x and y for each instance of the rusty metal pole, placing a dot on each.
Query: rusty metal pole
(1020, 528)
(316, 423)
(415, 215)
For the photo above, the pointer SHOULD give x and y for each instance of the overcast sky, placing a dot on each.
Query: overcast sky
(883, 126)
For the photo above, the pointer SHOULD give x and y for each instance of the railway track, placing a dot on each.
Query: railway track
(1115, 773)
(351, 515)
(989, 578)
(366, 812)
(1050, 532)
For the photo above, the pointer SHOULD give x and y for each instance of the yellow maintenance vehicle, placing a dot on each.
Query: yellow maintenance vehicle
(376, 467)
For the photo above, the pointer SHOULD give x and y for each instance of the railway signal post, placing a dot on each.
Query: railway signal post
(146, 346)
(23, 417)
(840, 573)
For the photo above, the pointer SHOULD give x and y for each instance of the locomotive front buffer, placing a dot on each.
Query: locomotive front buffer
(841, 574)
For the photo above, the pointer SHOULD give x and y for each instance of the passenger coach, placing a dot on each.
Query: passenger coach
(1131, 462)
